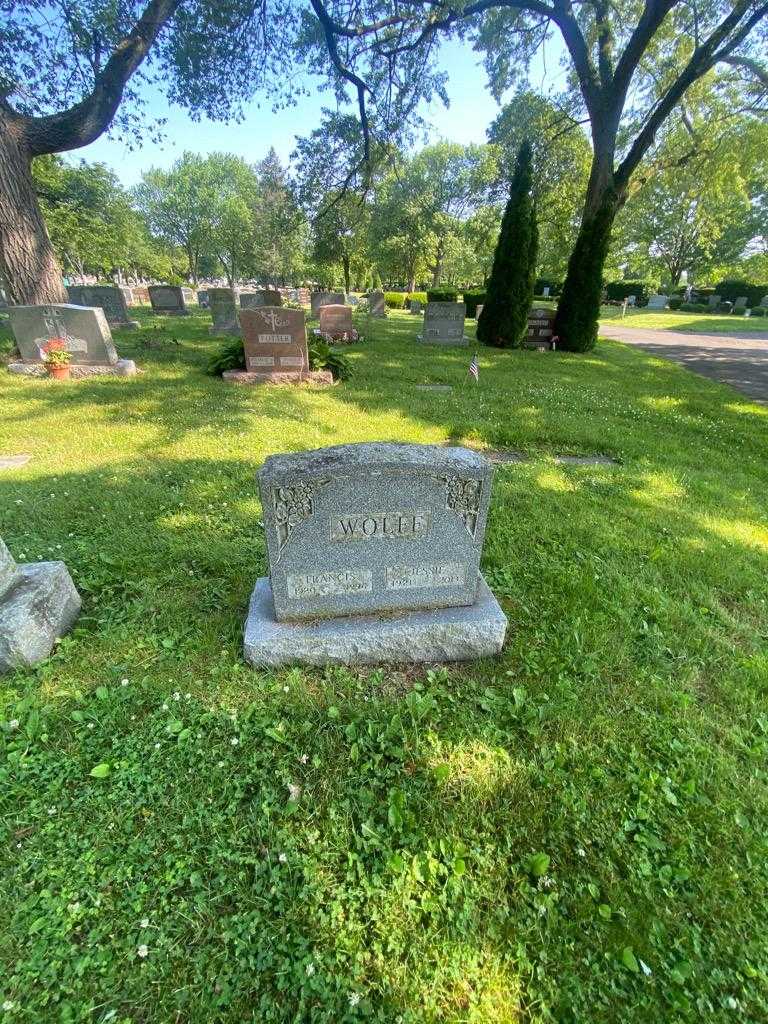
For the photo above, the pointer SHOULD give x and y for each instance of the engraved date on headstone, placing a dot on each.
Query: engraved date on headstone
(380, 524)
(324, 584)
(410, 577)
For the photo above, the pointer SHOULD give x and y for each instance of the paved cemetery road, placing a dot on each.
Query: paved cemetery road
(739, 360)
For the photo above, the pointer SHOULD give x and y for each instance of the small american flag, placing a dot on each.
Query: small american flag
(474, 368)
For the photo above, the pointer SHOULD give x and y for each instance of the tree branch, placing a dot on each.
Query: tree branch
(703, 58)
(85, 121)
(330, 31)
(654, 12)
(755, 68)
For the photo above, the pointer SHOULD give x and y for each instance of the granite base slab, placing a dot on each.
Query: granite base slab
(440, 634)
(122, 368)
(40, 606)
(249, 377)
(462, 342)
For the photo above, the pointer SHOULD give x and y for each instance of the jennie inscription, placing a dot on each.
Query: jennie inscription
(338, 544)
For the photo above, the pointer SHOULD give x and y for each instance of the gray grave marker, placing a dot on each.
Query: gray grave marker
(263, 297)
(383, 541)
(223, 306)
(38, 604)
(444, 324)
(377, 304)
(319, 299)
(168, 299)
(106, 297)
(84, 331)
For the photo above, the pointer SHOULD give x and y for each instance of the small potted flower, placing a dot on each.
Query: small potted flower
(56, 358)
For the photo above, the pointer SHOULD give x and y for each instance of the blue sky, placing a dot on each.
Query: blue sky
(471, 111)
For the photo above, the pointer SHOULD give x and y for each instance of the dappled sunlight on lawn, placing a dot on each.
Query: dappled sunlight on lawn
(737, 531)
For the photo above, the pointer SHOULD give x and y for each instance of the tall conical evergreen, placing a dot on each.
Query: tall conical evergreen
(509, 293)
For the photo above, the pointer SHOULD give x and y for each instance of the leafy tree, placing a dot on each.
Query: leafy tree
(178, 205)
(236, 190)
(481, 231)
(90, 220)
(699, 213)
(561, 159)
(634, 63)
(280, 227)
(510, 288)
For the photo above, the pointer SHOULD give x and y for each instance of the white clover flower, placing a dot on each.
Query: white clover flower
(143, 951)
(157, 746)
(176, 695)
(304, 758)
(13, 724)
(144, 922)
(286, 689)
(294, 791)
(234, 741)
(165, 707)
(354, 998)
(91, 725)
(51, 811)
(123, 682)
(581, 851)
(8, 1005)
(221, 764)
(310, 969)
(282, 858)
(187, 696)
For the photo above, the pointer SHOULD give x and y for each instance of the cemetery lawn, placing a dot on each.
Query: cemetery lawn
(689, 323)
(573, 832)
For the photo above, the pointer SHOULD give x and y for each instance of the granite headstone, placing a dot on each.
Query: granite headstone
(262, 297)
(223, 306)
(275, 344)
(38, 604)
(377, 305)
(109, 298)
(374, 553)
(168, 299)
(444, 324)
(84, 331)
(336, 319)
(540, 329)
(319, 299)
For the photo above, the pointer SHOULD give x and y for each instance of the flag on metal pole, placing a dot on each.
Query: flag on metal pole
(474, 368)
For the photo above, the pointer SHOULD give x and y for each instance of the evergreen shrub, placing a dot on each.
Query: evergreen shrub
(395, 300)
(443, 295)
(473, 299)
(509, 292)
(617, 291)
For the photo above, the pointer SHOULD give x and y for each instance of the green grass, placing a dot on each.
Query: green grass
(503, 841)
(690, 323)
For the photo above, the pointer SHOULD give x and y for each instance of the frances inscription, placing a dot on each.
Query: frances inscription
(327, 584)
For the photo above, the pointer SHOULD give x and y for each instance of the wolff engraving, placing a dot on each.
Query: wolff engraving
(379, 524)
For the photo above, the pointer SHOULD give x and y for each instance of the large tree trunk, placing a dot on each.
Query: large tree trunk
(28, 263)
(578, 310)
